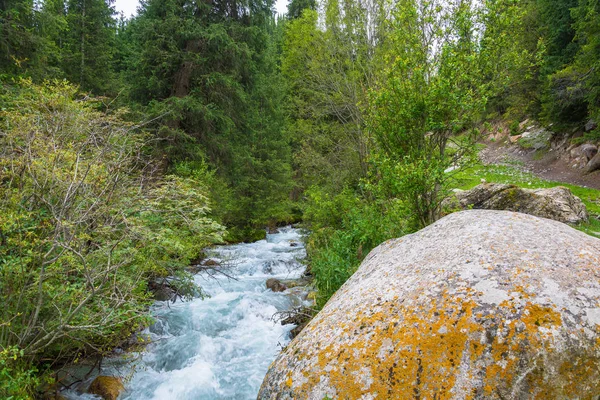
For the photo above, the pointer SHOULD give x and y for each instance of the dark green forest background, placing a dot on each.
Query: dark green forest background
(129, 145)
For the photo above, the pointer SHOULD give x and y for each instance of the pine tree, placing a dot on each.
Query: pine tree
(17, 37)
(89, 45)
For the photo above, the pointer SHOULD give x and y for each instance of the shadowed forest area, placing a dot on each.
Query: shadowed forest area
(127, 146)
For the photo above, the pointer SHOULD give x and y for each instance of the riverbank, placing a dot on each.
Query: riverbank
(219, 347)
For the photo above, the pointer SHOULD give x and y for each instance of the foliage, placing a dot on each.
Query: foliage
(88, 43)
(346, 227)
(213, 81)
(587, 60)
(431, 91)
(17, 380)
(86, 221)
(327, 71)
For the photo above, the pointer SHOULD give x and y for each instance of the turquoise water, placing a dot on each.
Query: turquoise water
(220, 347)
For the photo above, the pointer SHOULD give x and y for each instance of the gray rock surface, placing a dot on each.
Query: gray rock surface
(589, 150)
(556, 203)
(482, 304)
(590, 125)
(535, 138)
(593, 164)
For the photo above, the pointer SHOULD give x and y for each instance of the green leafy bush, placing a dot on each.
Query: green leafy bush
(17, 379)
(86, 220)
(345, 228)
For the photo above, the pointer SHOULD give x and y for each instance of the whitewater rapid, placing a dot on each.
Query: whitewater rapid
(222, 346)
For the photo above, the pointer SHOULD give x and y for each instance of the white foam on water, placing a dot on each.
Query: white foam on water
(222, 346)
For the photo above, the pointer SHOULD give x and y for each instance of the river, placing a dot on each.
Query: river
(219, 347)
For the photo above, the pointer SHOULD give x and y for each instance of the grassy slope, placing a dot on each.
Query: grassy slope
(472, 176)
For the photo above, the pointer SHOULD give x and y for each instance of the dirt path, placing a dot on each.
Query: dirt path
(555, 165)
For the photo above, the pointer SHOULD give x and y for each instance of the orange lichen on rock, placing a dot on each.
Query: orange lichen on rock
(439, 315)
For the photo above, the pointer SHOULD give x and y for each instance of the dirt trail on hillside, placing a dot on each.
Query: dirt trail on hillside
(555, 165)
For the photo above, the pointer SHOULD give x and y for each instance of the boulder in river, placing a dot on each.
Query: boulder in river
(162, 290)
(556, 203)
(107, 387)
(275, 285)
(482, 304)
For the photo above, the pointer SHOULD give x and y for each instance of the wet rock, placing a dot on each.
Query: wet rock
(299, 317)
(556, 203)
(303, 281)
(271, 230)
(482, 304)
(297, 296)
(211, 263)
(275, 285)
(162, 290)
(593, 164)
(107, 387)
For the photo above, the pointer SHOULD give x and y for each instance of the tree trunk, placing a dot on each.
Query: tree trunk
(82, 44)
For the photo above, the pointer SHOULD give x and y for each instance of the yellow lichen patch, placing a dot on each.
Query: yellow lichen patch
(521, 356)
(407, 352)
(535, 315)
(416, 356)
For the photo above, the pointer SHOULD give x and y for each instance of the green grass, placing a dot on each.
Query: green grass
(470, 177)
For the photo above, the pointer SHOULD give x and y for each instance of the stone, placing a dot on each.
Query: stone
(275, 285)
(211, 263)
(482, 304)
(576, 151)
(514, 138)
(302, 281)
(589, 151)
(556, 203)
(537, 138)
(524, 124)
(593, 164)
(107, 387)
(590, 125)
(162, 290)
(299, 317)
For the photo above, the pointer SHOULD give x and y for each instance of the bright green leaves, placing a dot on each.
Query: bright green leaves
(86, 221)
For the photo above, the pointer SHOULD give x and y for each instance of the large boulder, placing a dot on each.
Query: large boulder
(581, 155)
(482, 305)
(589, 150)
(107, 387)
(556, 203)
(593, 164)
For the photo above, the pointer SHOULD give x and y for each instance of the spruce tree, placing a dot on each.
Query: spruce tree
(89, 44)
